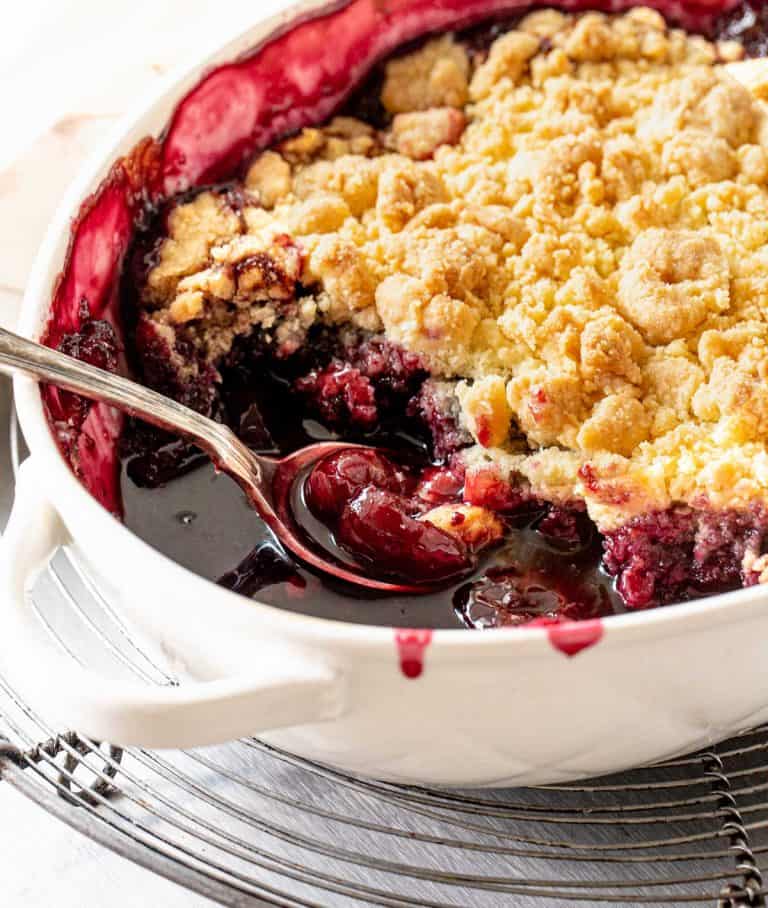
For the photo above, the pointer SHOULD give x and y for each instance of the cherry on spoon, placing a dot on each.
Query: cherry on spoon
(266, 481)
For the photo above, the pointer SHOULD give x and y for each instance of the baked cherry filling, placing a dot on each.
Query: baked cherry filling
(680, 554)
(362, 379)
(374, 509)
(372, 278)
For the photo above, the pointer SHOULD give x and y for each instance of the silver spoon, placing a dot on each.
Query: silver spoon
(266, 481)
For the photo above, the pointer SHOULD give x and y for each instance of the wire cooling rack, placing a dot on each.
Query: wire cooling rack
(247, 824)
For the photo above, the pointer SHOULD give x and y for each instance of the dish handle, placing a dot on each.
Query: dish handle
(280, 692)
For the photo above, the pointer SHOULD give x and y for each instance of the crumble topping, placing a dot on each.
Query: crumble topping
(436, 76)
(569, 230)
(476, 527)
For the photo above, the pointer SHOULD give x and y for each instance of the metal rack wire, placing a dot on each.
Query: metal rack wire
(247, 824)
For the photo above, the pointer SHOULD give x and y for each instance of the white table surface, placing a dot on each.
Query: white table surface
(68, 68)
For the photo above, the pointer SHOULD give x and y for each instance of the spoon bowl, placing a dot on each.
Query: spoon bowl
(266, 481)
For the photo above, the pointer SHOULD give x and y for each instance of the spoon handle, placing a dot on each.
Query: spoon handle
(17, 354)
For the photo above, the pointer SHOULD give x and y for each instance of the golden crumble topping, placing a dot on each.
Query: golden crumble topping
(572, 227)
(476, 527)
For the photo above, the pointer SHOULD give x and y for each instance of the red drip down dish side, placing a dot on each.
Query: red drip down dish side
(411, 646)
(295, 79)
(570, 637)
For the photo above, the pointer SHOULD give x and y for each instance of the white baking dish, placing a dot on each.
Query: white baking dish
(493, 708)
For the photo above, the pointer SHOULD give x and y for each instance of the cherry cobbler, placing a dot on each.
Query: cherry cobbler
(528, 261)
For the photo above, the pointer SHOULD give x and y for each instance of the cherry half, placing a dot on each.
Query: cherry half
(369, 503)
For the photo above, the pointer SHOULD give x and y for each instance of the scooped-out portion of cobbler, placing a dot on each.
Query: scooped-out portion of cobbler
(530, 257)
